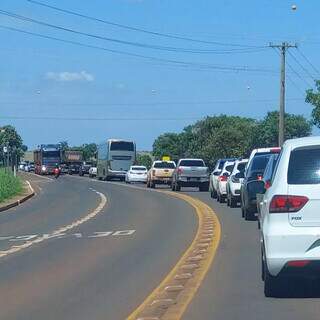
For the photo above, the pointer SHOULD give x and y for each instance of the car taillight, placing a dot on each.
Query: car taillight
(180, 170)
(223, 178)
(298, 263)
(284, 203)
(267, 184)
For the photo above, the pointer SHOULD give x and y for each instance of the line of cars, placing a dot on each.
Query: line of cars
(281, 189)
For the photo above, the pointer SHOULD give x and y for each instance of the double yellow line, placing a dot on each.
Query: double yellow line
(171, 298)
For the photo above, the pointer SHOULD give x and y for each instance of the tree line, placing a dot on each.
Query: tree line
(225, 136)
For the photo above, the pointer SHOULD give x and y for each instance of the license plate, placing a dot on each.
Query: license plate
(194, 179)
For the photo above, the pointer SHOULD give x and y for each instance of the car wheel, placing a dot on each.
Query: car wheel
(233, 202)
(152, 185)
(173, 186)
(228, 200)
(271, 283)
(214, 194)
(178, 187)
(248, 215)
(221, 198)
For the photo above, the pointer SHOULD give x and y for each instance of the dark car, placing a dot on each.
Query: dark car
(84, 168)
(251, 185)
(266, 181)
(64, 169)
(73, 168)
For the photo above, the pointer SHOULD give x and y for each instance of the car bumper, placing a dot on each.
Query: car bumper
(296, 244)
(186, 183)
(137, 178)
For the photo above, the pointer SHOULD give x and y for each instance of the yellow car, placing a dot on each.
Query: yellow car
(160, 173)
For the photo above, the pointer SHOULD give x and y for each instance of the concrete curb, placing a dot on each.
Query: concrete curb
(16, 203)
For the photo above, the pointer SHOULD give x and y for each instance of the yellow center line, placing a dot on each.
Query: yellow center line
(171, 298)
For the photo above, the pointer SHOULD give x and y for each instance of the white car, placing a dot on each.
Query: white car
(290, 219)
(214, 176)
(92, 172)
(137, 174)
(234, 183)
(222, 180)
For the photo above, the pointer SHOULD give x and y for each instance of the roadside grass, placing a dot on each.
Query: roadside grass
(10, 186)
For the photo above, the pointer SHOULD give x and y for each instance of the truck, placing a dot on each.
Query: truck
(72, 159)
(190, 173)
(46, 158)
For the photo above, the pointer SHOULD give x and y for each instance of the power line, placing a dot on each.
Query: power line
(171, 61)
(165, 103)
(308, 61)
(299, 75)
(123, 42)
(166, 35)
(301, 66)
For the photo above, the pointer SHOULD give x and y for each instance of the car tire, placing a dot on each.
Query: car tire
(178, 187)
(248, 215)
(232, 202)
(204, 188)
(221, 199)
(173, 186)
(228, 201)
(152, 185)
(214, 194)
(271, 284)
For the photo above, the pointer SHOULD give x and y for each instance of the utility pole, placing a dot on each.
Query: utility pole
(284, 46)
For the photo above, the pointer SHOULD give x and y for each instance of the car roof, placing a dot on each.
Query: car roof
(302, 142)
(192, 159)
(160, 161)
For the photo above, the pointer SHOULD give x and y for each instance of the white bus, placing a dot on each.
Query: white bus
(115, 158)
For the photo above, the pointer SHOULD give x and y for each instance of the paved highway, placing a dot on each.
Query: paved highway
(101, 269)
(105, 246)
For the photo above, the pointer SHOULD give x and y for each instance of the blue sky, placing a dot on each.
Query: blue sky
(49, 79)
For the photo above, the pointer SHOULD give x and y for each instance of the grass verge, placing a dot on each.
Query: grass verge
(10, 186)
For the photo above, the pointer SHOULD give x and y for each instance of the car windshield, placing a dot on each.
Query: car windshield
(192, 163)
(241, 166)
(229, 168)
(164, 165)
(304, 166)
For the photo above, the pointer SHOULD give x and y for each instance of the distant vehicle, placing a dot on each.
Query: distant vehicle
(64, 169)
(251, 186)
(214, 177)
(92, 172)
(73, 168)
(115, 157)
(160, 173)
(84, 168)
(234, 183)
(222, 180)
(190, 173)
(22, 164)
(137, 174)
(46, 158)
(290, 219)
(29, 167)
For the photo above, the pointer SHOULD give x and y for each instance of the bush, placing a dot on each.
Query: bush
(9, 185)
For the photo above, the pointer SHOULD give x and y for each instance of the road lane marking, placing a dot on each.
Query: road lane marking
(58, 232)
(171, 305)
(78, 235)
(38, 175)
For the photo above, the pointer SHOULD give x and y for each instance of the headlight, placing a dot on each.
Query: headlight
(43, 168)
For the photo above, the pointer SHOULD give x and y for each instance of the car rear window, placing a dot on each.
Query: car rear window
(139, 168)
(164, 165)
(192, 163)
(304, 166)
(259, 163)
(241, 166)
(229, 168)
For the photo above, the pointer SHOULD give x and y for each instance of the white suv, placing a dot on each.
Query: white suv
(234, 183)
(290, 216)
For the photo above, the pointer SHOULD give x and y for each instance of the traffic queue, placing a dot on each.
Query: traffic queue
(278, 187)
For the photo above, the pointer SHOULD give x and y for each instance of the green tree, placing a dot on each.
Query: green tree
(168, 144)
(64, 145)
(296, 126)
(313, 97)
(144, 159)
(89, 151)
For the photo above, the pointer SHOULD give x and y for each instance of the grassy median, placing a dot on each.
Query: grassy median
(10, 186)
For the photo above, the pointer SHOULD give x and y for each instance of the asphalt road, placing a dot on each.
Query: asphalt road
(101, 269)
(106, 266)
(233, 289)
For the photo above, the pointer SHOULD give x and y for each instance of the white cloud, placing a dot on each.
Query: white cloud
(70, 76)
